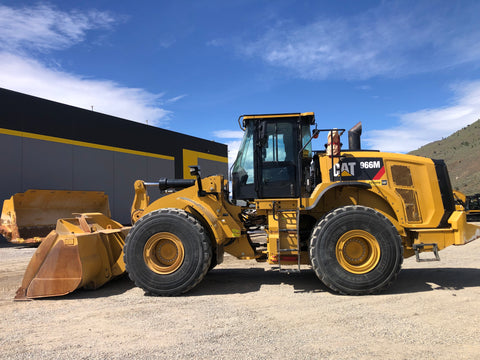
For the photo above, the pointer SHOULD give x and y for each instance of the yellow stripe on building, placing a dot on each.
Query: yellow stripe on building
(82, 143)
(191, 157)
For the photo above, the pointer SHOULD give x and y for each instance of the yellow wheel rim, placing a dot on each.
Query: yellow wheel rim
(163, 253)
(358, 251)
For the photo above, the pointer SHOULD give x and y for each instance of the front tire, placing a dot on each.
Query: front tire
(356, 250)
(167, 252)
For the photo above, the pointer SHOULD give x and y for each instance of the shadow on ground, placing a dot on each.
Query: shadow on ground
(228, 281)
(231, 281)
(243, 281)
(115, 287)
(433, 279)
(4, 243)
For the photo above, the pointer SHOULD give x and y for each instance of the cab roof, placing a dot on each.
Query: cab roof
(308, 116)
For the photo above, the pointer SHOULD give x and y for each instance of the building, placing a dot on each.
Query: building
(48, 145)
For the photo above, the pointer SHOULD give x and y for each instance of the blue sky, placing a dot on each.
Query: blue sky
(409, 70)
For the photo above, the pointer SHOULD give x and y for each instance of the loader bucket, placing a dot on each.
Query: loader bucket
(30, 216)
(86, 251)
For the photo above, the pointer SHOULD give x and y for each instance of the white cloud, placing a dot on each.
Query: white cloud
(44, 28)
(234, 142)
(175, 99)
(228, 134)
(33, 78)
(392, 39)
(27, 31)
(418, 128)
(233, 147)
(364, 87)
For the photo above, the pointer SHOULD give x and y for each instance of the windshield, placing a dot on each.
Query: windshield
(243, 166)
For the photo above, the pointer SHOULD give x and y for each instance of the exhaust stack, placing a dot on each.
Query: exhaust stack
(354, 137)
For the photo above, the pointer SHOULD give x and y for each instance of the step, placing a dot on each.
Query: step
(434, 249)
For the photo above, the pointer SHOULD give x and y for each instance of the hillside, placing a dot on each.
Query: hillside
(461, 152)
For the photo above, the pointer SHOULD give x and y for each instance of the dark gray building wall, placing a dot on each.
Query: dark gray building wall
(40, 164)
(211, 167)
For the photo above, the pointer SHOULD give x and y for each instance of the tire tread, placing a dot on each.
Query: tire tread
(205, 245)
(314, 257)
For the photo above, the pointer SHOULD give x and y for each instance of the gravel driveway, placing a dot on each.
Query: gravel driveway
(248, 310)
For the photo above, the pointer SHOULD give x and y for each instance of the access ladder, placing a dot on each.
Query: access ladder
(288, 240)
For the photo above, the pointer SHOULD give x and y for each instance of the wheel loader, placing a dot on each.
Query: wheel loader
(27, 218)
(353, 215)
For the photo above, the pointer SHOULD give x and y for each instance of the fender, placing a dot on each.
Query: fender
(207, 214)
(358, 184)
(218, 219)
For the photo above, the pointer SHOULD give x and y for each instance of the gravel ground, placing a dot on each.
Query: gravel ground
(248, 310)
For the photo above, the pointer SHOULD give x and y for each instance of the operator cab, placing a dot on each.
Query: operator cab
(274, 151)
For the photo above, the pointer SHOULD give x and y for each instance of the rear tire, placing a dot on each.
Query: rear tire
(167, 252)
(356, 250)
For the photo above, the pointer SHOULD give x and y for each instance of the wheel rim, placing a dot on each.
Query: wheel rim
(358, 251)
(163, 253)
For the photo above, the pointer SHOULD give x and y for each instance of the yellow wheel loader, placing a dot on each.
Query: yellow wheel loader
(352, 215)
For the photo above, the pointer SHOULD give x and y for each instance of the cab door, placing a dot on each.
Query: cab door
(277, 158)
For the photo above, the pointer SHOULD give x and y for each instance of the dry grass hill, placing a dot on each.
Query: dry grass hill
(461, 152)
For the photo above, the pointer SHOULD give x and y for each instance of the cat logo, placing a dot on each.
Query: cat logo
(344, 169)
(358, 169)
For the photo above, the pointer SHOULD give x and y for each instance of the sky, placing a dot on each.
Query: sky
(408, 70)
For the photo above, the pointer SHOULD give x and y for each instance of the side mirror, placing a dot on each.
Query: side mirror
(195, 171)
